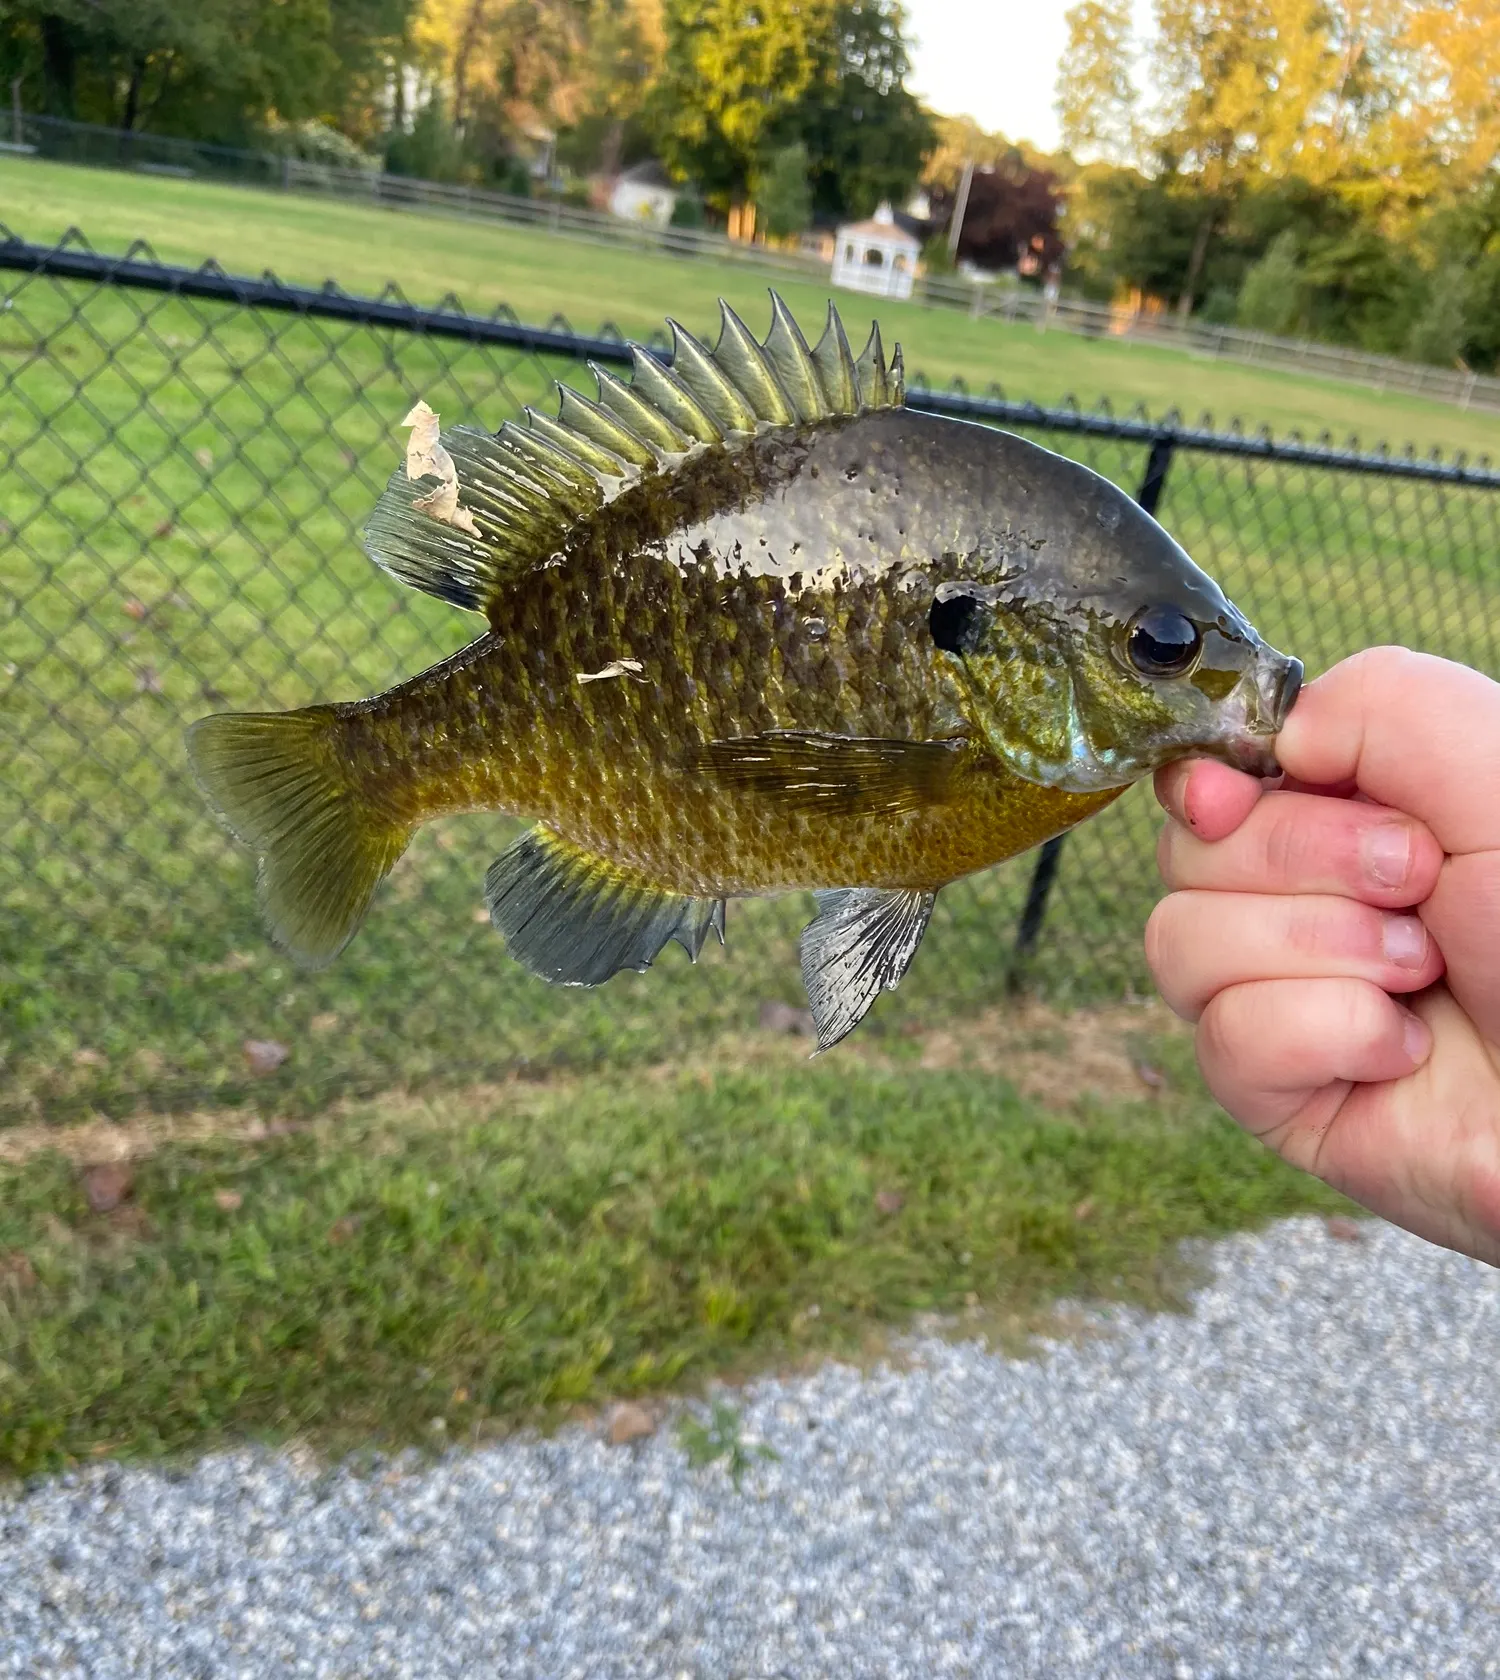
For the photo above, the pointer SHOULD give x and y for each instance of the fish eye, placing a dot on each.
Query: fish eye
(957, 623)
(1162, 642)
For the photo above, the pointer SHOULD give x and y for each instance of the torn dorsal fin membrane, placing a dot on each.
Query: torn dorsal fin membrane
(517, 506)
(519, 494)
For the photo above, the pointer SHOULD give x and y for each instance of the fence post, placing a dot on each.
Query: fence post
(1034, 913)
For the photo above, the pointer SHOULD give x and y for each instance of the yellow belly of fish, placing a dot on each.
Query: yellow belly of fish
(679, 835)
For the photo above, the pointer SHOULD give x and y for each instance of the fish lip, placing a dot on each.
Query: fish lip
(1284, 689)
(1271, 688)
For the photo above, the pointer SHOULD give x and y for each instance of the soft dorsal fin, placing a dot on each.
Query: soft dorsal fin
(518, 494)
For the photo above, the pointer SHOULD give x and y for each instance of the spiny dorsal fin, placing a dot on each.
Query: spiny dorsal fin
(520, 493)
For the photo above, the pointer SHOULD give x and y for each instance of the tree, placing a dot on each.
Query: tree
(785, 197)
(743, 80)
(733, 71)
(1440, 333)
(1273, 298)
(1096, 99)
(209, 69)
(866, 134)
(1011, 218)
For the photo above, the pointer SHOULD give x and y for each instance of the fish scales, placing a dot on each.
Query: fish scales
(866, 655)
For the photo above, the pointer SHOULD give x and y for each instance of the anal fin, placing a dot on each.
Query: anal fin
(574, 919)
(859, 944)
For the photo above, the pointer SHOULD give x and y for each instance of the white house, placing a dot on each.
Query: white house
(644, 193)
(876, 256)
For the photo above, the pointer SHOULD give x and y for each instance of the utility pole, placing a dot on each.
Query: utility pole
(960, 205)
(16, 132)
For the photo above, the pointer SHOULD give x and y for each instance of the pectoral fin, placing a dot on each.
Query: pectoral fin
(858, 945)
(576, 919)
(837, 775)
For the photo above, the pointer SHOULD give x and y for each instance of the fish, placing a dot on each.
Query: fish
(754, 627)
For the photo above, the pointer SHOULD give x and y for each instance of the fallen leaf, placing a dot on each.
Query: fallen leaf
(264, 1055)
(1084, 1210)
(889, 1201)
(460, 1397)
(235, 963)
(481, 915)
(325, 1021)
(134, 608)
(228, 1201)
(165, 528)
(17, 1274)
(343, 1227)
(107, 1185)
(90, 1058)
(148, 680)
(629, 1422)
(204, 457)
(615, 668)
(1150, 1076)
(1342, 1229)
(786, 1018)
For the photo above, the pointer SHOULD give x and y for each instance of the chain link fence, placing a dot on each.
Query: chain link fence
(186, 459)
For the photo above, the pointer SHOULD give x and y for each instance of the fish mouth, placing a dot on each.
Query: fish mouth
(1270, 687)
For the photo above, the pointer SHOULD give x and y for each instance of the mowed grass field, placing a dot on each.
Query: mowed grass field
(538, 275)
(536, 1198)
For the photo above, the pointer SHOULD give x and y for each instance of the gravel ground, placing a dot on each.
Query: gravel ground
(1300, 1479)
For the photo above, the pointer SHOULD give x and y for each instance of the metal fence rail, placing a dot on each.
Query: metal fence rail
(87, 143)
(186, 458)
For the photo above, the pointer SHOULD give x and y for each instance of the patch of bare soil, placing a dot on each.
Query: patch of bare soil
(1050, 1056)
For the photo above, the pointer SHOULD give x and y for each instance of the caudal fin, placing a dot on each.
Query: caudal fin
(278, 780)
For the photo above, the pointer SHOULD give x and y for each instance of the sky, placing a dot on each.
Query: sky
(993, 60)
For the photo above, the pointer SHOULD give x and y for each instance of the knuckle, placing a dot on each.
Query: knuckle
(1284, 841)
(1159, 937)
(1225, 1026)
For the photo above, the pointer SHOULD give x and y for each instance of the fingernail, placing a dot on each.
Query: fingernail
(1404, 940)
(1416, 1039)
(1387, 854)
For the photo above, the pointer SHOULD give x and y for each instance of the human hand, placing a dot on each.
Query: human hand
(1337, 940)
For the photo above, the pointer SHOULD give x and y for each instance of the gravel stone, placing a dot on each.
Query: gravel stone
(1301, 1478)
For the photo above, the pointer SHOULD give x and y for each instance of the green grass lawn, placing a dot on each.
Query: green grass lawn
(501, 1256)
(185, 484)
(539, 274)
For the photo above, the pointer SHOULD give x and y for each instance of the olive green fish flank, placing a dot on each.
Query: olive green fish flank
(753, 627)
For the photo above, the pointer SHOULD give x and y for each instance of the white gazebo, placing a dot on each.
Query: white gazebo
(876, 256)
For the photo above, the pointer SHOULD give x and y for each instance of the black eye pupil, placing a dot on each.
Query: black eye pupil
(956, 623)
(1163, 642)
